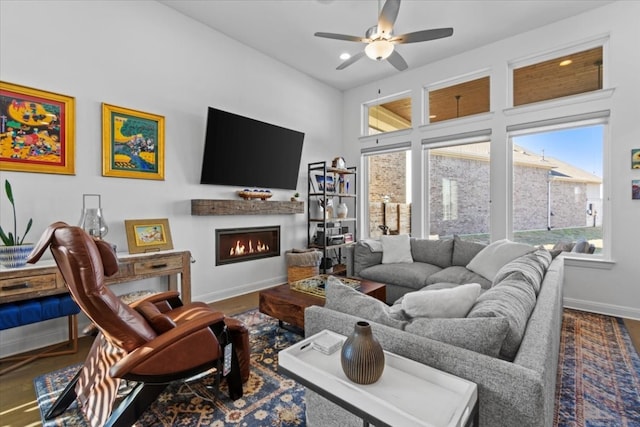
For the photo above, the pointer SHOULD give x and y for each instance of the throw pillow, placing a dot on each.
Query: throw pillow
(513, 299)
(581, 247)
(482, 335)
(441, 303)
(342, 298)
(396, 249)
(489, 260)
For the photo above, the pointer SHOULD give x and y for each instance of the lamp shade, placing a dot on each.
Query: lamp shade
(379, 49)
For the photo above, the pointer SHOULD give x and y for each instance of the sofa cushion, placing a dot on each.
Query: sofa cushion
(531, 268)
(482, 335)
(396, 249)
(412, 275)
(441, 303)
(343, 298)
(513, 299)
(436, 252)
(459, 275)
(364, 256)
(464, 251)
(490, 259)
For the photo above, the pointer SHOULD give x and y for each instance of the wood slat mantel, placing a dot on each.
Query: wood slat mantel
(245, 207)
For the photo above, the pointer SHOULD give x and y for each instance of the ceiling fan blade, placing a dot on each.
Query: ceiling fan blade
(423, 36)
(397, 61)
(350, 61)
(342, 37)
(388, 16)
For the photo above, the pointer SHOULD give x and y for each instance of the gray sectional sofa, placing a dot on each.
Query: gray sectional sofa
(507, 344)
(434, 261)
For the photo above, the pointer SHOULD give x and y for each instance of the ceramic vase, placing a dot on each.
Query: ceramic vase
(343, 210)
(362, 356)
(15, 256)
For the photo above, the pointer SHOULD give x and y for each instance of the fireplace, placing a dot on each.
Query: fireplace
(246, 244)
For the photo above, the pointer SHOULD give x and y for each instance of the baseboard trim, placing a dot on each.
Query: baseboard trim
(212, 297)
(601, 308)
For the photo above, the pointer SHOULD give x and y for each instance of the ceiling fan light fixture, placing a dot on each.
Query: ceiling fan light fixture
(379, 49)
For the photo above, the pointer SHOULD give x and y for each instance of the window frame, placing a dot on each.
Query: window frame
(601, 41)
(473, 137)
(364, 186)
(442, 84)
(564, 123)
(364, 114)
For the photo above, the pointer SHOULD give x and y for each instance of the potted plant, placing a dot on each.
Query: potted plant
(295, 197)
(14, 252)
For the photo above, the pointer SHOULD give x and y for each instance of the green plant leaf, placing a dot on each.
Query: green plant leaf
(7, 189)
(29, 224)
(4, 238)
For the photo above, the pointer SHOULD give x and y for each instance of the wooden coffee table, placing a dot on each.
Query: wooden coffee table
(288, 305)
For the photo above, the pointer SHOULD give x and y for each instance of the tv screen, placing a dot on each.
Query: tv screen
(244, 152)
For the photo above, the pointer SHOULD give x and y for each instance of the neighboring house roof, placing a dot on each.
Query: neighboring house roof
(560, 170)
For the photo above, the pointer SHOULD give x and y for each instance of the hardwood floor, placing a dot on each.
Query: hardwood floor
(18, 407)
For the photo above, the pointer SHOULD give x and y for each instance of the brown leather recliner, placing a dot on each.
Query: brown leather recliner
(154, 341)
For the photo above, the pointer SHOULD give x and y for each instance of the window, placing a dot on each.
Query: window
(460, 100)
(388, 192)
(389, 116)
(557, 186)
(561, 76)
(458, 189)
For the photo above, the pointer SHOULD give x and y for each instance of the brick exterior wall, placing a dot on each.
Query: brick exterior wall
(530, 198)
(387, 176)
(472, 179)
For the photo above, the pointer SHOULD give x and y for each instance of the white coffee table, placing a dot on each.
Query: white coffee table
(408, 393)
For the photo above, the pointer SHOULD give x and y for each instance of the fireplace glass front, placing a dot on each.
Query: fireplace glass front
(246, 244)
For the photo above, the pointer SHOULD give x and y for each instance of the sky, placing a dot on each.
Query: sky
(581, 147)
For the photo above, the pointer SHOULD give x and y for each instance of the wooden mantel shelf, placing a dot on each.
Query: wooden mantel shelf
(245, 207)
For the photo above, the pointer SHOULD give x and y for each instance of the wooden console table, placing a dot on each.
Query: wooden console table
(43, 278)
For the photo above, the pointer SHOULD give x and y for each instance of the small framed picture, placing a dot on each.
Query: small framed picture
(325, 182)
(148, 235)
(635, 189)
(635, 158)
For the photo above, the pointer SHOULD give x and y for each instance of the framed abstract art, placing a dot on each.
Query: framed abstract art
(132, 143)
(36, 130)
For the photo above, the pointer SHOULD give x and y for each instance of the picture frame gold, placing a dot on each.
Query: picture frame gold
(37, 130)
(148, 235)
(132, 143)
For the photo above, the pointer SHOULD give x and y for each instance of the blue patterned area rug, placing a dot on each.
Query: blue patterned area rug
(598, 383)
(269, 399)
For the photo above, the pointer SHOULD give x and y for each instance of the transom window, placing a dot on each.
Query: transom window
(564, 75)
(459, 100)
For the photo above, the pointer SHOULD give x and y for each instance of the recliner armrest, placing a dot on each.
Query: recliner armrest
(172, 299)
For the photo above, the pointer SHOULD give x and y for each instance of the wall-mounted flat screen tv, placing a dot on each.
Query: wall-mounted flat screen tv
(248, 153)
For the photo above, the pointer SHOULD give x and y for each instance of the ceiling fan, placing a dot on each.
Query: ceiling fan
(381, 41)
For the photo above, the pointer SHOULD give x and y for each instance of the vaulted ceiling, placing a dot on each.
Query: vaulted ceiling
(283, 29)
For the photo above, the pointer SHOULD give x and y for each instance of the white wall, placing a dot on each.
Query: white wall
(145, 56)
(612, 288)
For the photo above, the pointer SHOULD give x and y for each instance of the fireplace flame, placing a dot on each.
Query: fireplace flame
(240, 249)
